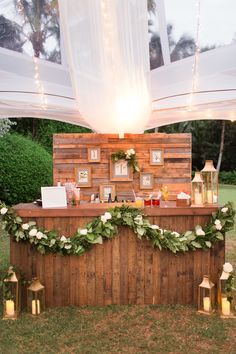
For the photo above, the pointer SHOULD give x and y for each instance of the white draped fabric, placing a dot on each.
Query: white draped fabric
(107, 51)
(104, 82)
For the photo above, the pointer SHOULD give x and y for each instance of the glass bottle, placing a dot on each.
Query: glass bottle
(109, 198)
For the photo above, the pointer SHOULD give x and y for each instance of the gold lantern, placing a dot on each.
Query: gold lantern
(210, 178)
(36, 297)
(11, 295)
(206, 296)
(224, 304)
(197, 189)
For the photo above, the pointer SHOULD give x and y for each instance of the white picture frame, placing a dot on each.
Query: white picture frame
(53, 197)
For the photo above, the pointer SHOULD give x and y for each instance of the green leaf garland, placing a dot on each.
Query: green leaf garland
(106, 227)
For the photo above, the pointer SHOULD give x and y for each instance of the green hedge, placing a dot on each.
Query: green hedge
(25, 166)
(227, 177)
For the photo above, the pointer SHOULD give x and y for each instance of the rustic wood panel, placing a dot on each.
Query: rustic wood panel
(124, 270)
(71, 150)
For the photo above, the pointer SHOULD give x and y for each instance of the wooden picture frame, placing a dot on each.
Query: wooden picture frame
(83, 176)
(146, 180)
(157, 156)
(94, 154)
(120, 171)
(105, 189)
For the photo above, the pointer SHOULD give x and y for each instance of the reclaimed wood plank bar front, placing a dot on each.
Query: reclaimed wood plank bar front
(124, 270)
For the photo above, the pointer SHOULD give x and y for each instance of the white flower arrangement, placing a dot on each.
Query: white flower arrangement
(25, 226)
(218, 224)
(33, 232)
(224, 210)
(105, 217)
(199, 231)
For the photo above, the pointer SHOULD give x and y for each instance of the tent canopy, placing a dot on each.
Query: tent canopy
(93, 73)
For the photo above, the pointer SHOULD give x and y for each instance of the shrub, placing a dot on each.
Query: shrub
(25, 166)
(227, 177)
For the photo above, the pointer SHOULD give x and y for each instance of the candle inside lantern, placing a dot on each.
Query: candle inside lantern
(10, 308)
(35, 307)
(209, 197)
(206, 304)
(225, 305)
(198, 197)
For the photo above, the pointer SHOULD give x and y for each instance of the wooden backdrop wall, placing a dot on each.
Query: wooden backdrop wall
(71, 150)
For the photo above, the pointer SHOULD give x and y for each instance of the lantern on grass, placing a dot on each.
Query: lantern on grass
(197, 189)
(210, 178)
(206, 296)
(225, 303)
(11, 295)
(36, 297)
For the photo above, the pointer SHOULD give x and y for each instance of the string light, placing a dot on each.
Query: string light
(195, 73)
(38, 82)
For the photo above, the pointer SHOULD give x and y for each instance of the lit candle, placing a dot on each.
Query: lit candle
(206, 304)
(198, 198)
(35, 307)
(225, 305)
(10, 308)
(209, 197)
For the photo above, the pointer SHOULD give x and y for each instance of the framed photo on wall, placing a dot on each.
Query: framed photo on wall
(83, 176)
(94, 154)
(120, 171)
(105, 190)
(146, 180)
(157, 156)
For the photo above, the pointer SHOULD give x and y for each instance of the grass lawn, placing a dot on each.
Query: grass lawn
(121, 329)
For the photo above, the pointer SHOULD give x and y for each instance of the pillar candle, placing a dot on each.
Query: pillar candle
(198, 198)
(225, 305)
(209, 197)
(35, 311)
(206, 304)
(10, 308)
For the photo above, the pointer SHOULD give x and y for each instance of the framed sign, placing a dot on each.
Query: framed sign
(94, 154)
(83, 176)
(120, 171)
(53, 197)
(157, 156)
(146, 180)
(105, 190)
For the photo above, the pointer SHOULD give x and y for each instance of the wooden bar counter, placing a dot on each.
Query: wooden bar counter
(124, 270)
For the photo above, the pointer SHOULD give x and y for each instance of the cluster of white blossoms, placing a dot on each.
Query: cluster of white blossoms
(224, 210)
(34, 232)
(199, 231)
(105, 217)
(218, 224)
(66, 242)
(129, 153)
(3, 211)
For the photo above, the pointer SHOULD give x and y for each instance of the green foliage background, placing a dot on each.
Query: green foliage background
(25, 166)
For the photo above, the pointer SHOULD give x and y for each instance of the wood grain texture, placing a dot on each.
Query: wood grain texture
(70, 151)
(124, 270)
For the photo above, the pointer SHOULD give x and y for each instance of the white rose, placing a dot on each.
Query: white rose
(176, 234)
(33, 232)
(68, 246)
(200, 232)
(39, 235)
(154, 227)
(217, 221)
(107, 215)
(104, 219)
(227, 267)
(25, 226)
(63, 239)
(52, 242)
(132, 151)
(218, 226)
(3, 211)
(139, 219)
(224, 210)
(83, 232)
(161, 231)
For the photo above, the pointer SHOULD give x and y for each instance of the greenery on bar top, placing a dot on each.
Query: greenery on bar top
(106, 227)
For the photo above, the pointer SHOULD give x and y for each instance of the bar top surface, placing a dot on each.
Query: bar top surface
(33, 210)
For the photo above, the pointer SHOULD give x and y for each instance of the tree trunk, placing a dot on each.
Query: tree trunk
(221, 146)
